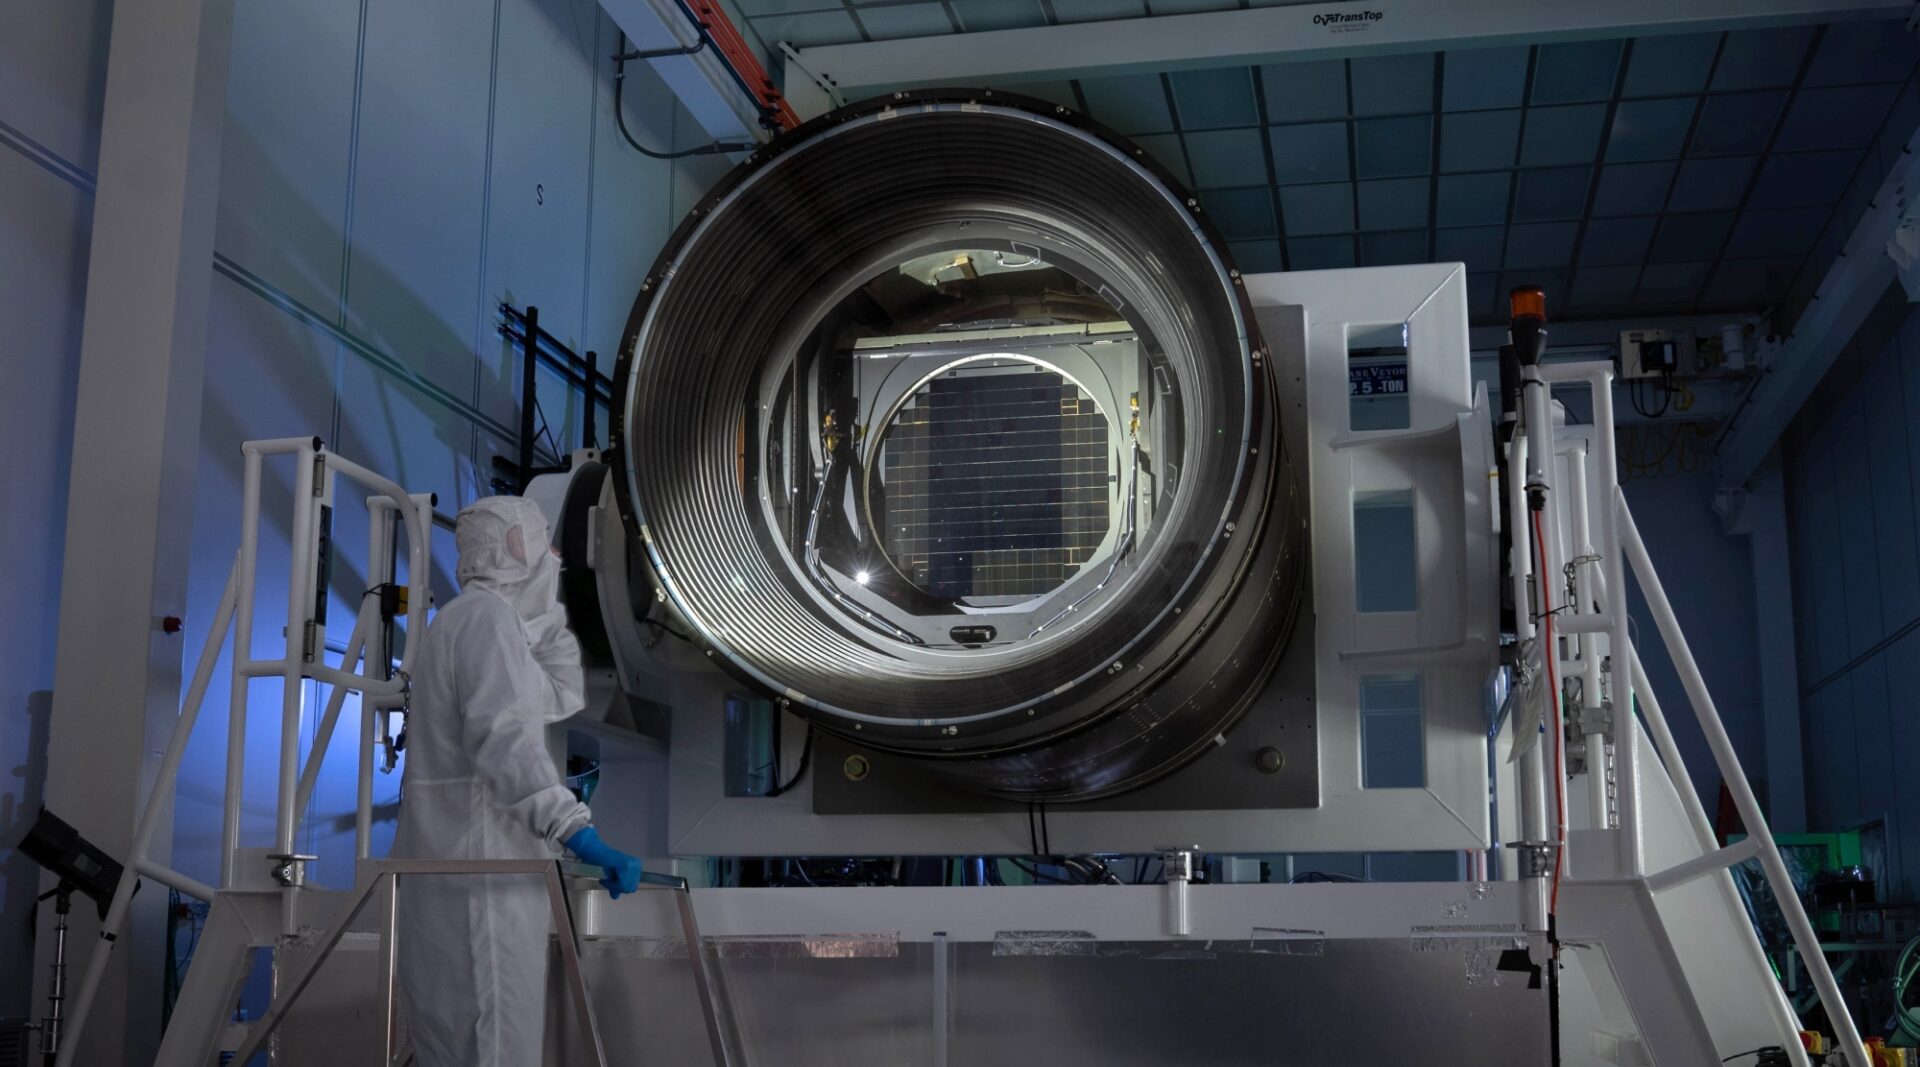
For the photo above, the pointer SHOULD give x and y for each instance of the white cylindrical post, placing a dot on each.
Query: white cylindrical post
(301, 549)
(1612, 572)
(1805, 938)
(1581, 602)
(1538, 401)
(379, 556)
(1521, 552)
(248, 565)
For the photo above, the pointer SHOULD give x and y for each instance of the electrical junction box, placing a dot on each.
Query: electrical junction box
(1658, 354)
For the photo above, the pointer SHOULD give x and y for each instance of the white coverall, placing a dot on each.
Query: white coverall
(496, 666)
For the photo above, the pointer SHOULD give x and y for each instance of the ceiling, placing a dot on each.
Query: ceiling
(1673, 174)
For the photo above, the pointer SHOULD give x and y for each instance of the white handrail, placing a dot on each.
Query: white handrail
(1775, 868)
(316, 471)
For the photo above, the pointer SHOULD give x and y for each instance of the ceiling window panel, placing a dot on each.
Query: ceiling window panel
(1711, 184)
(1393, 204)
(895, 21)
(1484, 295)
(1603, 286)
(1841, 117)
(1749, 283)
(1319, 253)
(1300, 92)
(1241, 214)
(1130, 103)
(1632, 189)
(1613, 242)
(1391, 148)
(1650, 129)
(1803, 179)
(1683, 238)
(1552, 193)
(1776, 232)
(1479, 247)
(1387, 85)
(1256, 257)
(1227, 158)
(1561, 135)
(1671, 283)
(1670, 66)
(1483, 78)
(1315, 152)
(1211, 99)
(1170, 152)
(1761, 59)
(1317, 209)
(1472, 199)
(977, 16)
(1576, 72)
(1389, 249)
(1854, 52)
(1736, 124)
(1479, 140)
(1540, 245)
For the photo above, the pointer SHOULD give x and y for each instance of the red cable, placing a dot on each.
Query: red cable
(1553, 697)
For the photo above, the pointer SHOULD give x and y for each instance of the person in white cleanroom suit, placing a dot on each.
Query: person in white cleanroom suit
(496, 666)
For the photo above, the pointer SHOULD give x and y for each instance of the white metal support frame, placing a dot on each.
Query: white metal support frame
(1625, 843)
(315, 471)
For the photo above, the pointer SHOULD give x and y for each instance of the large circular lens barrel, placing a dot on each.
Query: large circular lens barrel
(945, 422)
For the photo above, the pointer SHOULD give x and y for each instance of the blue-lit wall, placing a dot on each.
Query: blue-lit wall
(391, 171)
(1852, 461)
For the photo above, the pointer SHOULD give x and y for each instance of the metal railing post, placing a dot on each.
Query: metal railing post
(301, 550)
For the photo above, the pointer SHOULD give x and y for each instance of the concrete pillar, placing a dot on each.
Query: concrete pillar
(136, 445)
(1760, 514)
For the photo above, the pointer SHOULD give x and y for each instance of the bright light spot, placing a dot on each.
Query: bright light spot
(861, 577)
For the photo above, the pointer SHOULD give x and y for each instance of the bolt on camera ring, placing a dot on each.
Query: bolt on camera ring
(1043, 245)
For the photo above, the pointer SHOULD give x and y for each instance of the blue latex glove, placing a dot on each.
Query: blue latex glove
(623, 871)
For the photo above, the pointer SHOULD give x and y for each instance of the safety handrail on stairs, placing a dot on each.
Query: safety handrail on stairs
(1622, 550)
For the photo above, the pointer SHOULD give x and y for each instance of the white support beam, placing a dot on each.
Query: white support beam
(1857, 280)
(1280, 34)
(136, 450)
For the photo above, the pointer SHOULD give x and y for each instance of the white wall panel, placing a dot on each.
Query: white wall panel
(540, 202)
(1857, 560)
(627, 229)
(43, 254)
(420, 182)
(53, 74)
(1860, 562)
(1903, 830)
(1886, 463)
(284, 165)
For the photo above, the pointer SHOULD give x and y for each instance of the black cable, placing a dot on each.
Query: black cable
(806, 757)
(620, 115)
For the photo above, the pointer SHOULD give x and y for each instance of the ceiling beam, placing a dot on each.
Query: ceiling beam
(1853, 285)
(1277, 34)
